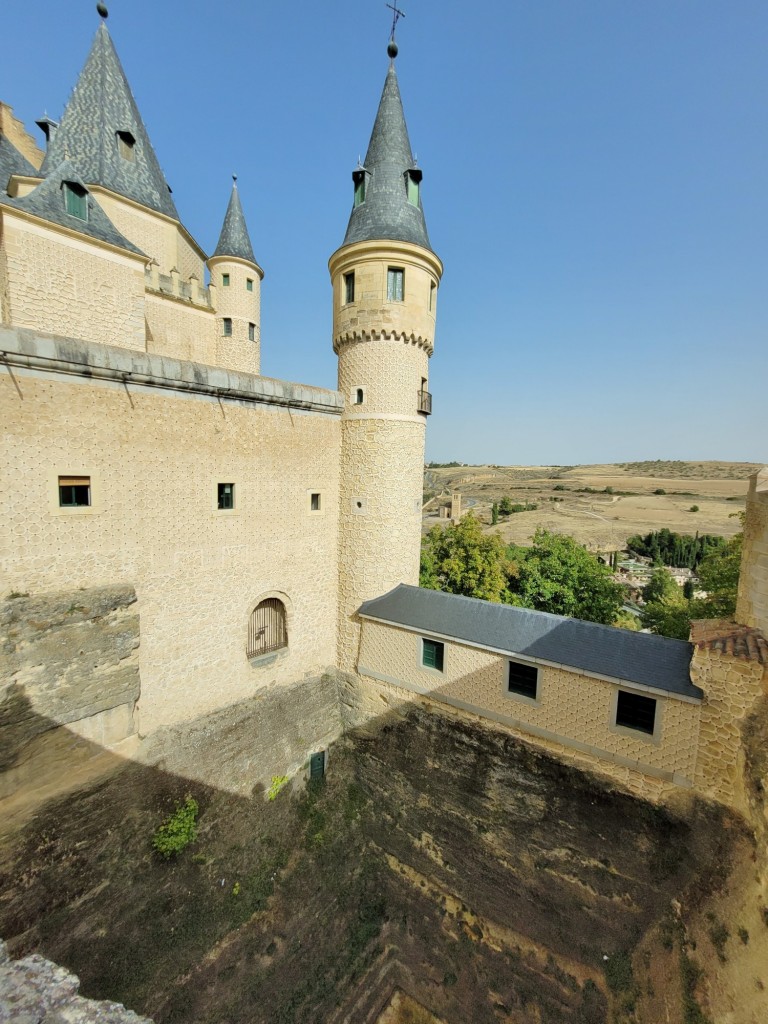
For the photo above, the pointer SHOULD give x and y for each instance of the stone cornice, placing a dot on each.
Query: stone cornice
(355, 337)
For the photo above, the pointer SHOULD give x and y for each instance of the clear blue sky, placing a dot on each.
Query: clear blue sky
(595, 182)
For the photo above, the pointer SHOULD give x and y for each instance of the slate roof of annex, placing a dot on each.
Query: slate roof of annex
(13, 162)
(642, 658)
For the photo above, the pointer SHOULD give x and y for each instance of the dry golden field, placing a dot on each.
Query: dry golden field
(602, 520)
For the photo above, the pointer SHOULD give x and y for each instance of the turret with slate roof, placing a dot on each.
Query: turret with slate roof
(236, 291)
(385, 278)
(102, 131)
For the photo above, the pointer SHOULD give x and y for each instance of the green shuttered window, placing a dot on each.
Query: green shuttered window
(432, 654)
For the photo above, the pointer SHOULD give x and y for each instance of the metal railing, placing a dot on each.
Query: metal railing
(267, 628)
(424, 402)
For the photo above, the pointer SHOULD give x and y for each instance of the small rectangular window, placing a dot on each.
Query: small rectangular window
(74, 491)
(349, 287)
(359, 179)
(359, 396)
(432, 654)
(249, 284)
(251, 332)
(76, 202)
(225, 280)
(395, 284)
(317, 765)
(523, 679)
(314, 502)
(432, 291)
(125, 145)
(227, 326)
(226, 496)
(634, 711)
(413, 191)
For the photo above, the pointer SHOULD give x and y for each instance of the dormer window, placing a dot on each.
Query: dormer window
(413, 178)
(126, 145)
(75, 200)
(358, 177)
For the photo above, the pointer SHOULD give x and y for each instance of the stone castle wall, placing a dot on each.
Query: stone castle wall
(154, 458)
(66, 285)
(752, 605)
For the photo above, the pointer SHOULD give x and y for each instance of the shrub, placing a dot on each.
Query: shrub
(694, 508)
(278, 782)
(177, 831)
(659, 490)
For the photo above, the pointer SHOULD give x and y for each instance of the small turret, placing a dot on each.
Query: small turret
(235, 292)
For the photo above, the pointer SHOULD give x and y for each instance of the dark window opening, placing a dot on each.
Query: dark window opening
(74, 491)
(226, 496)
(523, 679)
(432, 654)
(359, 396)
(126, 145)
(249, 284)
(317, 765)
(225, 280)
(432, 291)
(413, 178)
(251, 332)
(314, 502)
(267, 629)
(227, 325)
(349, 287)
(358, 177)
(633, 711)
(75, 200)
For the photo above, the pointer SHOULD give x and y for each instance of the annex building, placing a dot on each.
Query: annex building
(193, 552)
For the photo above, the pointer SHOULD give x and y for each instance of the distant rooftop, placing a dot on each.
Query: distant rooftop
(622, 654)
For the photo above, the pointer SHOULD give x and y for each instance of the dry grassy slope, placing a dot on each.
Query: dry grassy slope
(601, 521)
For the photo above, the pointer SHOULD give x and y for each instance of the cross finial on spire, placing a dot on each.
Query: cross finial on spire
(397, 14)
(102, 10)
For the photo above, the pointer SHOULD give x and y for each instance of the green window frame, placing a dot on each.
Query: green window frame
(395, 284)
(225, 280)
(359, 179)
(75, 200)
(249, 284)
(226, 324)
(432, 654)
(349, 287)
(413, 191)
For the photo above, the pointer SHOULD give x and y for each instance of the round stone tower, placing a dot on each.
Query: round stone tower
(385, 279)
(236, 293)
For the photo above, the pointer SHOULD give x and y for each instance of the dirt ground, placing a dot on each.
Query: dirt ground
(600, 520)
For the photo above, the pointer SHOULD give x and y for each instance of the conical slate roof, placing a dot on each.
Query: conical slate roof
(386, 212)
(102, 105)
(12, 161)
(47, 202)
(234, 239)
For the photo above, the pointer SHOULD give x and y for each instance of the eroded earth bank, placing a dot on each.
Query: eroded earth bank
(439, 873)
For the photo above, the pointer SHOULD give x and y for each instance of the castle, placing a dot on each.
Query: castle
(187, 540)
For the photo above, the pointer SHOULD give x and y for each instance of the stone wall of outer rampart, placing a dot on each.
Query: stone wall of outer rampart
(573, 715)
(154, 457)
(35, 989)
(61, 284)
(180, 330)
(733, 679)
(752, 604)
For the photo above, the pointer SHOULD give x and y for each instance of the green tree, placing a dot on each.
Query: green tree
(719, 576)
(660, 587)
(460, 559)
(505, 506)
(558, 575)
(494, 513)
(673, 620)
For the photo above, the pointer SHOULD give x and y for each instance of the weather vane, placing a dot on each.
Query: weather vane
(397, 14)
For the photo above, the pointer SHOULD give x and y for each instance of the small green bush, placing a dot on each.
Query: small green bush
(694, 508)
(278, 782)
(659, 490)
(177, 831)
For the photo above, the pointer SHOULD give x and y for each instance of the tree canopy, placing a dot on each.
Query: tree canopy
(461, 559)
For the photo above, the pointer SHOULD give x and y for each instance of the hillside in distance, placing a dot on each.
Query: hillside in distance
(600, 505)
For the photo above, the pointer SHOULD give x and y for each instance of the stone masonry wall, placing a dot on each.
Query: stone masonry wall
(66, 659)
(752, 605)
(35, 991)
(62, 285)
(177, 329)
(572, 716)
(154, 459)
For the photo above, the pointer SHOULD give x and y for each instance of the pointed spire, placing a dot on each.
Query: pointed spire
(390, 178)
(103, 132)
(234, 239)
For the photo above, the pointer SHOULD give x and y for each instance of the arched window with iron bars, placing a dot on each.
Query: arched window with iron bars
(267, 628)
